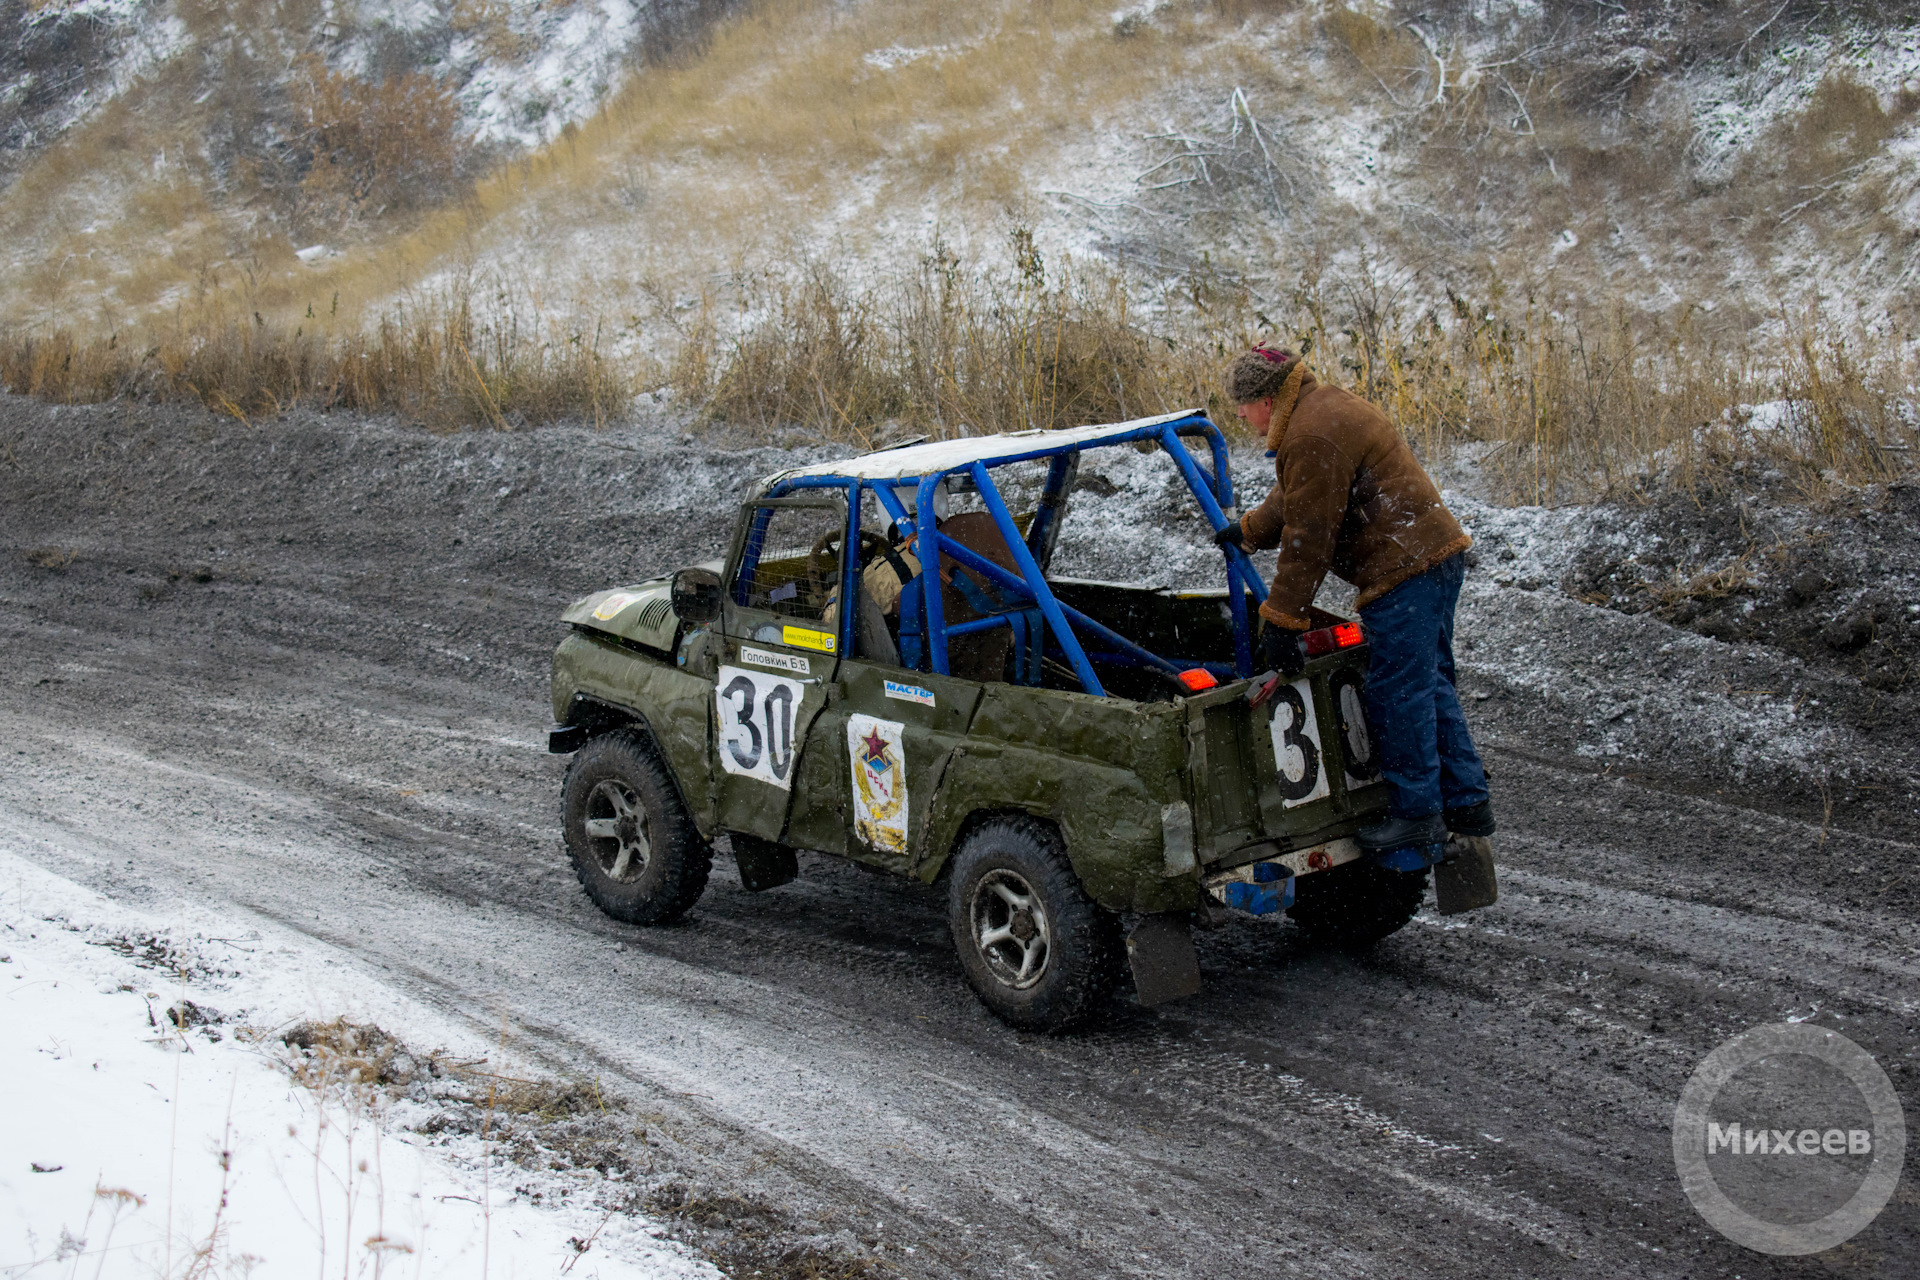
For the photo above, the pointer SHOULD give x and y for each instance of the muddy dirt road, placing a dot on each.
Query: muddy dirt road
(298, 668)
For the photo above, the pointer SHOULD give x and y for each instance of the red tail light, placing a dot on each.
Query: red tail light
(1197, 679)
(1345, 635)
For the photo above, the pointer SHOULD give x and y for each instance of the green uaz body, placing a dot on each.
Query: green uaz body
(1061, 751)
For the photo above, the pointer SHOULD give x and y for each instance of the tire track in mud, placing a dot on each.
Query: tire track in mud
(767, 1031)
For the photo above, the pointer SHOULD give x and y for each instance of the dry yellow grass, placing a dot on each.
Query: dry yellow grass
(436, 364)
(1553, 408)
(944, 350)
(790, 117)
(1383, 51)
(783, 118)
(171, 189)
(796, 119)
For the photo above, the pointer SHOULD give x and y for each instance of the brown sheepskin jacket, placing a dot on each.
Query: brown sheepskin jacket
(1351, 499)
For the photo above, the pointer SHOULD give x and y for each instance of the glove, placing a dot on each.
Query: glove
(1280, 651)
(1231, 536)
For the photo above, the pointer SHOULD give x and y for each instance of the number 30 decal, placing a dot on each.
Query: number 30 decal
(1296, 745)
(754, 724)
(1350, 710)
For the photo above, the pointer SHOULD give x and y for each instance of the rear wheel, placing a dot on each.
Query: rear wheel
(1356, 904)
(1036, 949)
(633, 844)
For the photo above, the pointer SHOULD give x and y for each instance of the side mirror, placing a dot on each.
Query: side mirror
(696, 596)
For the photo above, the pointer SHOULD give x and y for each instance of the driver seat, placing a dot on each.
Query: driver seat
(965, 596)
(873, 640)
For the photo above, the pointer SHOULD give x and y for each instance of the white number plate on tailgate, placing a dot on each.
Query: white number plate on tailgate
(1296, 745)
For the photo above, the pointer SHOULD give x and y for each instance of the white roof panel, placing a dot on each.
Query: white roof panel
(916, 460)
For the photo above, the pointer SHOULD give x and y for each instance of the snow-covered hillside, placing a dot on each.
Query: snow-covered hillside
(522, 72)
(633, 156)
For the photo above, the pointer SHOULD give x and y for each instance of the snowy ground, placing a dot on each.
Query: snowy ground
(135, 1147)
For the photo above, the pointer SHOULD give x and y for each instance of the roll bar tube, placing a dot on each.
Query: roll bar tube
(1241, 574)
(1036, 584)
(967, 558)
(1213, 493)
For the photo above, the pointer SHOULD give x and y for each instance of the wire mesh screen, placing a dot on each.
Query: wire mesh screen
(799, 564)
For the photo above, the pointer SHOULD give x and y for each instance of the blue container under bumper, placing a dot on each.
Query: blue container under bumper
(1262, 899)
(1411, 858)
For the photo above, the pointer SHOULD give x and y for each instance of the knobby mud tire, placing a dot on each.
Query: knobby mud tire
(1357, 904)
(1084, 946)
(675, 872)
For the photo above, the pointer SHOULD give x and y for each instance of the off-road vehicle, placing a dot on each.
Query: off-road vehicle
(1063, 753)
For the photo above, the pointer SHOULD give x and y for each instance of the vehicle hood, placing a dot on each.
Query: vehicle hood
(642, 612)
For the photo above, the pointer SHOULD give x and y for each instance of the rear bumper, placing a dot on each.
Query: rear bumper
(1266, 886)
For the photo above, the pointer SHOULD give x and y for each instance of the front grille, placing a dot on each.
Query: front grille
(655, 614)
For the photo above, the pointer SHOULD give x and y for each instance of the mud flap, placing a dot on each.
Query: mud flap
(763, 864)
(1160, 950)
(1465, 881)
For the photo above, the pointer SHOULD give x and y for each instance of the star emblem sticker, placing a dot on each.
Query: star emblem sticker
(875, 744)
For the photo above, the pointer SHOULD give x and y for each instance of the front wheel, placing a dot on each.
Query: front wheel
(634, 845)
(1356, 904)
(1036, 949)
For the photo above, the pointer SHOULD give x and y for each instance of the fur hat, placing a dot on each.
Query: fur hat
(1259, 373)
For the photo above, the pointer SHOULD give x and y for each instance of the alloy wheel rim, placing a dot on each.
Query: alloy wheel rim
(1011, 928)
(616, 828)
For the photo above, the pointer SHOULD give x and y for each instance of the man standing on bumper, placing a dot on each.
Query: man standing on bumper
(1352, 499)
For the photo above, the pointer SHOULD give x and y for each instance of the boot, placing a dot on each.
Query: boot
(1403, 833)
(1476, 820)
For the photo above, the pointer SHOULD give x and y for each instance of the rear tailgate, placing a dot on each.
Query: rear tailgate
(1300, 766)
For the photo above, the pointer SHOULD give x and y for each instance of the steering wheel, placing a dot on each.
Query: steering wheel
(819, 559)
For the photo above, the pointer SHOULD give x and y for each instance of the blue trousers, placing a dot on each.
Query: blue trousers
(1426, 753)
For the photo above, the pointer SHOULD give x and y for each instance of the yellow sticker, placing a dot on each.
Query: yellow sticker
(801, 638)
(614, 604)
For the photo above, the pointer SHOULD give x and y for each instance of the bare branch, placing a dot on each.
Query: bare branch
(1439, 94)
(1180, 155)
(1239, 104)
(1519, 102)
(1741, 55)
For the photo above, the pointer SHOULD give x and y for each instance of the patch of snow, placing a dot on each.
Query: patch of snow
(1769, 417)
(1524, 545)
(580, 54)
(106, 11)
(894, 55)
(157, 1141)
(1732, 110)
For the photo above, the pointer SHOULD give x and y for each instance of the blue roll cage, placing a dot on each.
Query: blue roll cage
(1029, 592)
